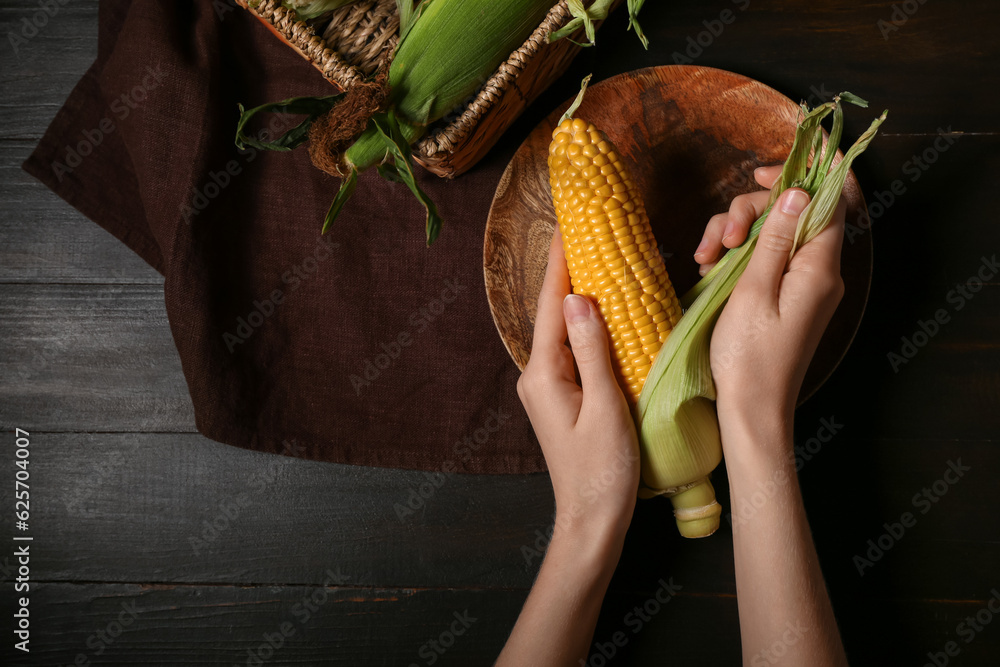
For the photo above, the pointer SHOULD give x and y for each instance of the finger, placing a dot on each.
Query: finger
(588, 337)
(743, 212)
(816, 268)
(770, 257)
(823, 252)
(766, 176)
(729, 230)
(550, 327)
(710, 248)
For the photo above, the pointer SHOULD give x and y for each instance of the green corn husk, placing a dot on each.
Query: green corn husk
(447, 50)
(453, 49)
(597, 11)
(676, 417)
(444, 59)
(440, 64)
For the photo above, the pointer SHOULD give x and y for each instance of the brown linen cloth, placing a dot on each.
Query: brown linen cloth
(362, 346)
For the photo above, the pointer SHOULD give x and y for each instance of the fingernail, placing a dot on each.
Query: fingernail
(794, 201)
(701, 247)
(575, 308)
(702, 270)
(730, 228)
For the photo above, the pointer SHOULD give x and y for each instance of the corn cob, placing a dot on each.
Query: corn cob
(610, 250)
(612, 257)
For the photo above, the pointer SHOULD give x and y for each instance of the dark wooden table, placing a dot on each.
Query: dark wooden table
(153, 545)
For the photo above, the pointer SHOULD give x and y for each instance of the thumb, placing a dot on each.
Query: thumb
(774, 244)
(588, 336)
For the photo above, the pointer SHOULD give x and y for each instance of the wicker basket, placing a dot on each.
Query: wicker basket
(348, 47)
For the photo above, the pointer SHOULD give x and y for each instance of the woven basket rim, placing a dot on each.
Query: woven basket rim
(441, 139)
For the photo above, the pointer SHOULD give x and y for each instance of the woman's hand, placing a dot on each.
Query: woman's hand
(761, 347)
(588, 438)
(769, 329)
(585, 430)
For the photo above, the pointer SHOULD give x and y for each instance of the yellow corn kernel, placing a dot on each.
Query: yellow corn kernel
(610, 249)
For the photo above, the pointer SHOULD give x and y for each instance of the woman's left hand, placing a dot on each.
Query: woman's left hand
(585, 429)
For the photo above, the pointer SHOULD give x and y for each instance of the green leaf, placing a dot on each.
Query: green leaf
(409, 12)
(311, 107)
(346, 190)
(634, 7)
(851, 98)
(390, 173)
(401, 169)
(597, 11)
(831, 149)
(566, 31)
(819, 211)
(578, 101)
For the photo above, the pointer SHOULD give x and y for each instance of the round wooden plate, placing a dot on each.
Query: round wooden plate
(692, 137)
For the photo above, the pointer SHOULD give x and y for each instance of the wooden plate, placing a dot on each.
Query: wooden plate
(691, 137)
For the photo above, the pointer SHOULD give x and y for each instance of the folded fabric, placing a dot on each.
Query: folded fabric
(362, 346)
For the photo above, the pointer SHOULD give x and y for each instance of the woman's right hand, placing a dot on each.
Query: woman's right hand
(770, 327)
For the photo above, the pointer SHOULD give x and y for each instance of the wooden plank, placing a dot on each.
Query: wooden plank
(813, 51)
(819, 49)
(219, 625)
(169, 508)
(89, 358)
(43, 239)
(45, 53)
(897, 382)
(345, 626)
